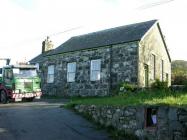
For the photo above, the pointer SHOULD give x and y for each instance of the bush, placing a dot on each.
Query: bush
(179, 80)
(159, 85)
(127, 87)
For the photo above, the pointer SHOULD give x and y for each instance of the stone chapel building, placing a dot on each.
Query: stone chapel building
(93, 64)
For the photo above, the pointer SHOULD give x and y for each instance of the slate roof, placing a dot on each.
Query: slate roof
(40, 57)
(117, 35)
(123, 34)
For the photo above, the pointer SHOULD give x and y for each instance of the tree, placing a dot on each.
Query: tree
(179, 72)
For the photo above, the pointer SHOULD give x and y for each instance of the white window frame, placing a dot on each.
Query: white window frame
(71, 71)
(50, 73)
(95, 70)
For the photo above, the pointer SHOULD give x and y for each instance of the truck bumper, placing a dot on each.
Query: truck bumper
(18, 96)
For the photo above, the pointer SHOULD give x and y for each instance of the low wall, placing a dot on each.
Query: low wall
(178, 88)
(171, 122)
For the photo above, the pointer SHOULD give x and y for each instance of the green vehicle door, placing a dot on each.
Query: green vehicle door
(8, 78)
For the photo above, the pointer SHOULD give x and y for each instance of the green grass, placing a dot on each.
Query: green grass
(135, 99)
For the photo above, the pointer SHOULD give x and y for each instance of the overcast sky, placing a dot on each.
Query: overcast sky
(24, 24)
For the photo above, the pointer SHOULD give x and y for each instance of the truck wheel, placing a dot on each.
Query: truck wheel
(3, 97)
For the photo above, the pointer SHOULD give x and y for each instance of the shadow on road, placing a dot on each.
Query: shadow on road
(36, 103)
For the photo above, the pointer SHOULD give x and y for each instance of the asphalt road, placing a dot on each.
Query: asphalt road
(45, 120)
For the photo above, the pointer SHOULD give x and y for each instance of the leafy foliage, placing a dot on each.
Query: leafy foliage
(179, 72)
(161, 85)
(123, 88)
(179, 79)
(128, 86)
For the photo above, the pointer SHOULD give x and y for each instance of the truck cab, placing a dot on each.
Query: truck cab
(19, 82)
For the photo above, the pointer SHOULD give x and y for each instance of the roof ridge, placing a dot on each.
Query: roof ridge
(113, 28)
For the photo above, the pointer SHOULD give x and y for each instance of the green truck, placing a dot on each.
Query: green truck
(18, 82)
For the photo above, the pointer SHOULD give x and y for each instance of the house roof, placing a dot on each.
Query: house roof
(117, 35)
(122, 34)
(39, 58)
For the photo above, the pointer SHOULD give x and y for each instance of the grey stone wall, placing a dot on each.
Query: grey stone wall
(171, 122)
(118, 64)
(124, 63)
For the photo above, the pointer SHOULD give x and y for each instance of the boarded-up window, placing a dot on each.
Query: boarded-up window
(50, 74)
(71, 70)
(95, 70)
(153, 63)
(162, 70)
(167, 78)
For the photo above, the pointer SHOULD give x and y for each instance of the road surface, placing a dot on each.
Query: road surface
(45, 120)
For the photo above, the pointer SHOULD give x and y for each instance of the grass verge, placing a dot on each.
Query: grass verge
(178, 99)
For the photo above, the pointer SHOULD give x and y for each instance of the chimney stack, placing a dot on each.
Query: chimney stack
(47, 45)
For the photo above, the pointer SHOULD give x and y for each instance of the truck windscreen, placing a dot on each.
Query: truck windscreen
(24, 72)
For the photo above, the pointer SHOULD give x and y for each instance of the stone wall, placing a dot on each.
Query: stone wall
(171, 121)
(152, 44)
(118, 64)
(124, 63)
